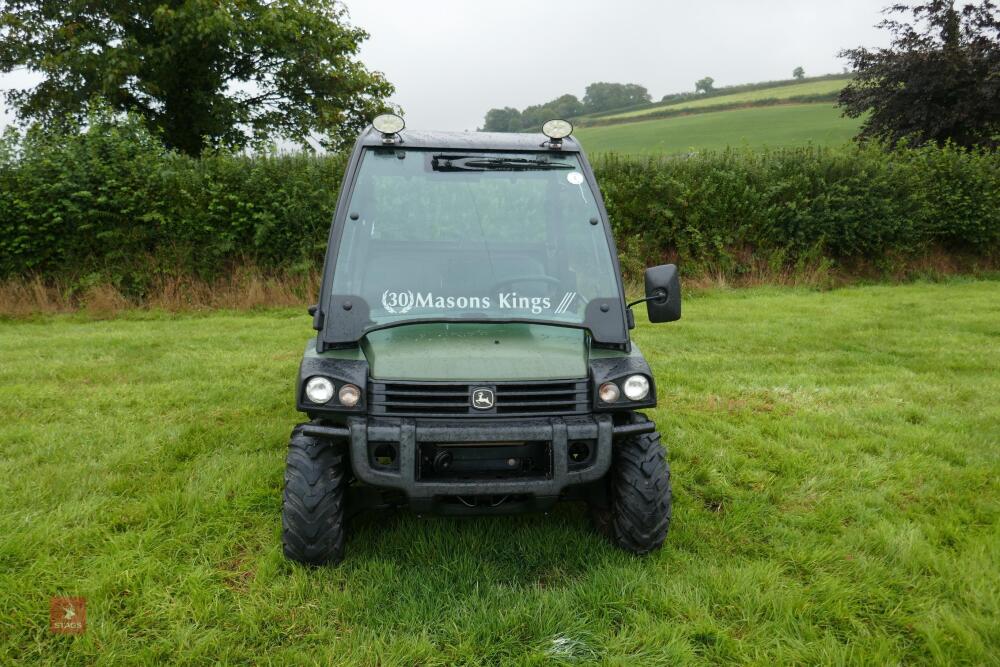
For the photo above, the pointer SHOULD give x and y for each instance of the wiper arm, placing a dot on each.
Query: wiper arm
(469, 163)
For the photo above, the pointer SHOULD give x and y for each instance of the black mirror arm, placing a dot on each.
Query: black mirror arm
(661, 295)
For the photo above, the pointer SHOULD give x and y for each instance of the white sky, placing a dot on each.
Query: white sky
(451, 60)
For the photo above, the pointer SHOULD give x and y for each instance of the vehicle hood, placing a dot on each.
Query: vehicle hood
(476, 351)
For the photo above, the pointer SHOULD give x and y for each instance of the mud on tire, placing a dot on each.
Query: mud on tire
(312, 511)
(636, 512)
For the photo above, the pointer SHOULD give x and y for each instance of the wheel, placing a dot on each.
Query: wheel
(635, 512)
(312, 509)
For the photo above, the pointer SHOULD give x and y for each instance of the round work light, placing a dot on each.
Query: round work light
(557, 128)
(388, 123)
(319, 390)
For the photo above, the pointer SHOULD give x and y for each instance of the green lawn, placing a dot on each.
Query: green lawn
(835, 460)
(775, 93)
(757, 127)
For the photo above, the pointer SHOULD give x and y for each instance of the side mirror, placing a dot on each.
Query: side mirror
(663, 293)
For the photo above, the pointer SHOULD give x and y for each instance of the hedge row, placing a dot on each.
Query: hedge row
(111, 202)
(851, 205)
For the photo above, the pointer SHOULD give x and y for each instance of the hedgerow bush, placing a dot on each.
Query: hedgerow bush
(111, 204)
(852, 205)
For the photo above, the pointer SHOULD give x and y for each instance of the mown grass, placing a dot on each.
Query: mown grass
(821, 87)
(835, 469)
(787, 125)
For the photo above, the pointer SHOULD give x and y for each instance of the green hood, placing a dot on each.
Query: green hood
(477, 352)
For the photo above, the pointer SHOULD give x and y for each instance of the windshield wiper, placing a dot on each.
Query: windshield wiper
(471, 163)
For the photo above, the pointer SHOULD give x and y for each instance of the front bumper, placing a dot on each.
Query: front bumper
(407, 436)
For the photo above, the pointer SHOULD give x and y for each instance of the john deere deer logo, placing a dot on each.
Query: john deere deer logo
(482, 398)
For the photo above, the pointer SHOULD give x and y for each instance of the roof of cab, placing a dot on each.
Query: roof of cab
(488, 141)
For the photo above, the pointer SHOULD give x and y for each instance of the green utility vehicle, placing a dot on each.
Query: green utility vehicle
(472, 352)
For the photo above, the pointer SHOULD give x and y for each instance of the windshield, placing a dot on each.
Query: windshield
(458, 234)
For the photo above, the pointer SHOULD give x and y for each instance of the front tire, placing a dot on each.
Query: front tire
(636, 513)
(312, 510)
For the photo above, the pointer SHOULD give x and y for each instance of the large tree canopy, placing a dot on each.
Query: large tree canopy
(564, 106)
(507, 119)
(938, 81)
(602, 96)
(201, 72)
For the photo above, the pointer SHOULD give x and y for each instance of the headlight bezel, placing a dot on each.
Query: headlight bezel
(339, 371)
(618, 369)
(337, 398)
(622, 398)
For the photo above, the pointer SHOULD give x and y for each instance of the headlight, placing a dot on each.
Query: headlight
(349, 395)
(636, 387)
(609, 392)
(319, 390)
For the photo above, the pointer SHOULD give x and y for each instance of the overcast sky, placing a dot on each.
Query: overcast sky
(451, 60)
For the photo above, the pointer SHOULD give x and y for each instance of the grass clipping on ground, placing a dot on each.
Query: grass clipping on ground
(835, 472)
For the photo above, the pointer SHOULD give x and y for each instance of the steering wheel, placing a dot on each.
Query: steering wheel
(535, 278)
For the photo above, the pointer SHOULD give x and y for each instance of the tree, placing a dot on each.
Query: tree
(507, 119)
(938, 81)
(565, 106)
(533, 116)
(704, 85)
(799, 73)
(603, 96)
(199, 72)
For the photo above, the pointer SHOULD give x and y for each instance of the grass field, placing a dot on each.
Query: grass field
(835, 460)
(775, 93)
(756, 127)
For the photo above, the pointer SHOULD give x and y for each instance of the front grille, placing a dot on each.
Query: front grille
(454, 399)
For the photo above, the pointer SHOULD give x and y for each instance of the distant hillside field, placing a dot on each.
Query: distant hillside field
(823, 87)
(756, 127)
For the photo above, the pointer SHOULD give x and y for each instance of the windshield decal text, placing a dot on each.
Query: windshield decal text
(401, 302)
